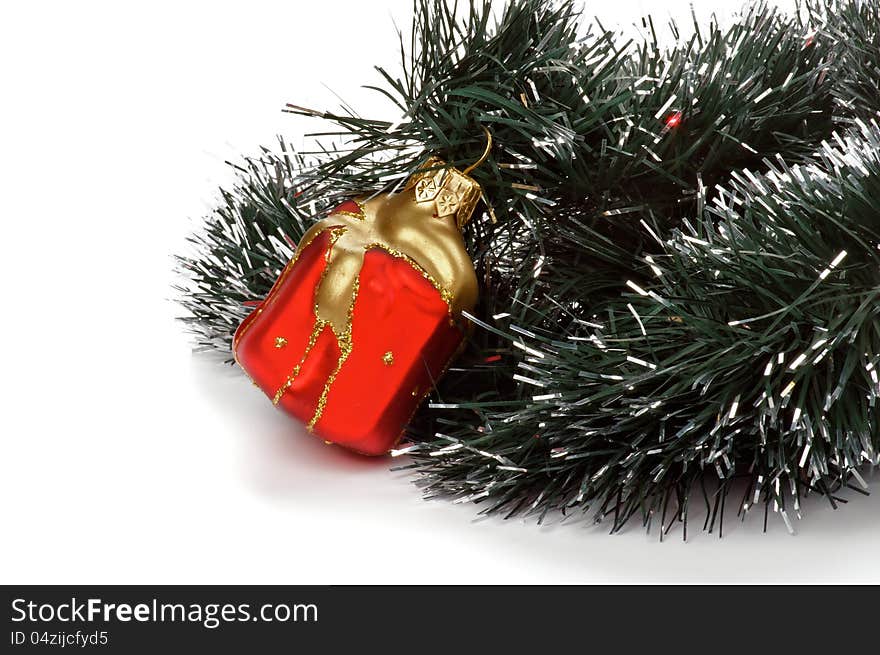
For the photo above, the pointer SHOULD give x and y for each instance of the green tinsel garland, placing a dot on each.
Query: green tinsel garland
(679, 254)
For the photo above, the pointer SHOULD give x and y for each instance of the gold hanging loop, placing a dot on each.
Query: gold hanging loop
(485, 154)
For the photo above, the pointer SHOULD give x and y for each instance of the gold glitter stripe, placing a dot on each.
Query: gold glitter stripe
(345, 347)
(274, 290)
(362, 216)
(313, 339)
(335, 233)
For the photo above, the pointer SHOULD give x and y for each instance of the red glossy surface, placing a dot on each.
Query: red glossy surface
(348, 207)
(369, 403)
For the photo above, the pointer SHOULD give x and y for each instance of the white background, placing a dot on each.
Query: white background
(125, 459)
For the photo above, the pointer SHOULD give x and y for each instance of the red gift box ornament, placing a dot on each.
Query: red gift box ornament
(367, 314)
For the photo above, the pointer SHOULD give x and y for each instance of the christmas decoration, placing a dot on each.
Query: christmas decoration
(677, 260)
(367, 314)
